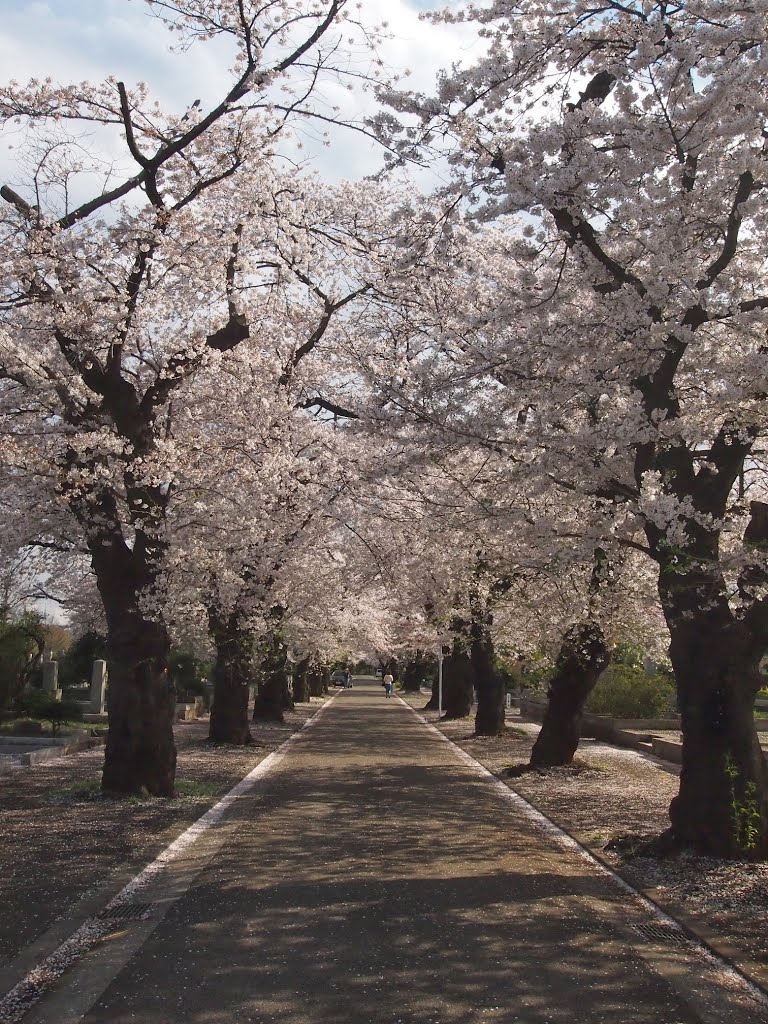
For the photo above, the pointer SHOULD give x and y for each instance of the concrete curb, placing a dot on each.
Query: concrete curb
(754, 973)
(51, 753)
(752, 970)
(39, 966)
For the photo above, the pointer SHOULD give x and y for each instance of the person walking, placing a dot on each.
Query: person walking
(389, 684)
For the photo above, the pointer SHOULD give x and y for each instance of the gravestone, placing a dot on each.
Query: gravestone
(51, 678)
(98, 687)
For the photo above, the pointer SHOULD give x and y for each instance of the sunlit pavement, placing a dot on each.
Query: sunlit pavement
(372, 877)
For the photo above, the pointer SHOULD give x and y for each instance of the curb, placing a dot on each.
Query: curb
(37, 968)
(752, 972)
(51, 753)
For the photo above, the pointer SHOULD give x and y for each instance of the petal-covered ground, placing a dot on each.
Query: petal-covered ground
(614, 793)
(61, 841)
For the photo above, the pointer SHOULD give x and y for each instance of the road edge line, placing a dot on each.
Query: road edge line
(565, 840)
(40, 979)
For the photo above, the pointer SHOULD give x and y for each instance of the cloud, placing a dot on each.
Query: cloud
(75, 40)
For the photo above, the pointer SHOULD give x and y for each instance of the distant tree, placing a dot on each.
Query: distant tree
(76, 665)
(22, 642)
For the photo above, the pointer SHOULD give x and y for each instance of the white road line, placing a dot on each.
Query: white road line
(566, 841)
(30, 990)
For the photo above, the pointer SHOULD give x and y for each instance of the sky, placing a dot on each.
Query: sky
(74, 40)
(77, 40)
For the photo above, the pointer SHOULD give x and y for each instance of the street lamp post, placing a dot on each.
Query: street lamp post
(440, 679)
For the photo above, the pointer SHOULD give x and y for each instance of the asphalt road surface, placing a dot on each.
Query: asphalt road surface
(373, 876)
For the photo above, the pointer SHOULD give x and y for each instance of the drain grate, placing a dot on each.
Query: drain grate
(128, 912)
(662, 932)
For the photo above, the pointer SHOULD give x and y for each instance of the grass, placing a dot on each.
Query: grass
(11, 728)
(187, 792)
(196, 790)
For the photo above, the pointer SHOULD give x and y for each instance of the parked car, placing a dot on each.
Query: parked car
(339, 677)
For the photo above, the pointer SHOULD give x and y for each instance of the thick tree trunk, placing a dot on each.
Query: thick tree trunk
(722, 806)
(272, 698)
(582, 657)
(411, 677)
(301, 681)
(232, 676)
(140, 755)
(458, 682)
(316, 680)
(414, 673)
(489, 686)
(433, 704)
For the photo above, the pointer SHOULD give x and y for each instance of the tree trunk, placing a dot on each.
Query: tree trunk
(433, 704)
(301, 681)
(272, 697)
(582, 657)
(393, 668)
(722, 806)
(140, 755)
(232, 676)
(489, 686)
(414, 673)
(410, 677)
(458, 682)
(316, 680)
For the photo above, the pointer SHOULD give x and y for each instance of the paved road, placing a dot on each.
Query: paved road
(373, 877)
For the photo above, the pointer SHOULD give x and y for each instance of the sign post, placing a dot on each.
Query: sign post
(440, 679)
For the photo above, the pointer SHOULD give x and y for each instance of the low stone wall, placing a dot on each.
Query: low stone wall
(667, 750)
(601, 726)
(48, 753)
(41, 749)
(190, 712)
(532, 709)
(36, 741)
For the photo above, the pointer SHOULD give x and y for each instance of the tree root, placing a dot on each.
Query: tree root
(574, 768)
(657, 846)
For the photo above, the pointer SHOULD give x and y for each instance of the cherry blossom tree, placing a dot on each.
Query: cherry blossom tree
(282, 459)
(121, 276)
(628, 143)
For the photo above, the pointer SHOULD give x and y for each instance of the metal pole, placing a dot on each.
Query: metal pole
(440, 680)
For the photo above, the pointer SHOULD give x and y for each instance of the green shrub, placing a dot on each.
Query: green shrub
(21, 644)
(22, 727)
(189, 674)
(625, 691)
(627, 653)
(536, 673)
(39, 705)
(76, 665)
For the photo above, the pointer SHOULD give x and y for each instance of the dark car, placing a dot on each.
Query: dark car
(339, 678)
